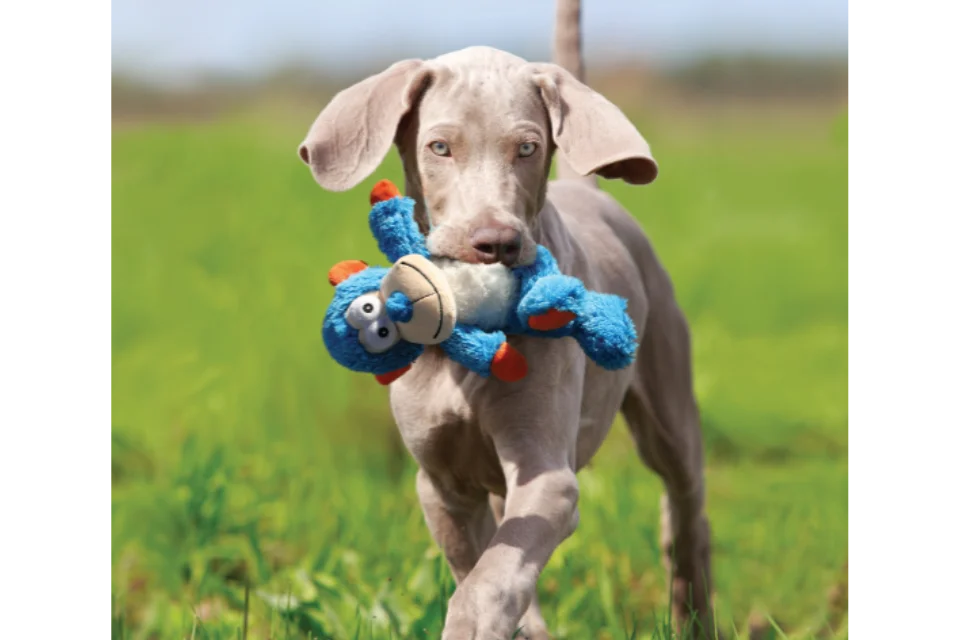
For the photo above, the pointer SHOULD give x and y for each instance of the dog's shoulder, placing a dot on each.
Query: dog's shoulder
(584, 205)
(604, 244)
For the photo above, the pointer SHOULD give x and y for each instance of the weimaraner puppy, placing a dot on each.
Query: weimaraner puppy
(476, 130)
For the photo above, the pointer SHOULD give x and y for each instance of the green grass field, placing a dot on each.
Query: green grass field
(242, 455)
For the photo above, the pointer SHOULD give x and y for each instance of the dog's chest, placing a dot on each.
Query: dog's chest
(438, 423)
(485, 293)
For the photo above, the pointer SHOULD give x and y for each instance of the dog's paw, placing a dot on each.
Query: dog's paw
(508, 364)
(532, 627)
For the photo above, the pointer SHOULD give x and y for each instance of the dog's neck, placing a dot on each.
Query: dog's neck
(552, 232)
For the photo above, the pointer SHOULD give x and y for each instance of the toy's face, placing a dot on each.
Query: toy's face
(376, 332)
(380, 319)
(419, 299)
(354, 332)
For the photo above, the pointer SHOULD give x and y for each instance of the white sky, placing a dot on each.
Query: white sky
(175, 38)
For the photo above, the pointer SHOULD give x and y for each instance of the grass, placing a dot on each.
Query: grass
(261, 491)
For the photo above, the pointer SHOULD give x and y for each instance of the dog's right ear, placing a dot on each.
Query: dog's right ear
(353, 134)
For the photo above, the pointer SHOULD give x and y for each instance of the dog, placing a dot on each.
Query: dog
(477, 130)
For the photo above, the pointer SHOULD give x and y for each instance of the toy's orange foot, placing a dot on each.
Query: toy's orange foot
(551, 320)
(508, 364)
(387, 378)
(383, 190)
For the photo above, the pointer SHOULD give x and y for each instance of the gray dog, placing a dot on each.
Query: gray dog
(477, 130)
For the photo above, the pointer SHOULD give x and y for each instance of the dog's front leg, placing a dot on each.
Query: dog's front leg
(539, 513)
(490, 601)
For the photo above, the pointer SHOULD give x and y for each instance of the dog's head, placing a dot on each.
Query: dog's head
(379, 318)
(476, 130)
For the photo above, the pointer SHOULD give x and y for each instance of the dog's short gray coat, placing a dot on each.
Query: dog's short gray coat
(498, 461)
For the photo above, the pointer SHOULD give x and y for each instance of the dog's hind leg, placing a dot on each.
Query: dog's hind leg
(461, 525)
(663, 418)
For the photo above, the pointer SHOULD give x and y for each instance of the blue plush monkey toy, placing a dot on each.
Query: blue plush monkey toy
(380, 319)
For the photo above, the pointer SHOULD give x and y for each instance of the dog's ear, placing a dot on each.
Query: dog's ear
(351, 136)
(344, 269)
(593, 135)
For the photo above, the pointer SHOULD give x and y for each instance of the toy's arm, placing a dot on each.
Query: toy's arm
(543, 265)
(549, 300)
(393, 224)
(485, 352)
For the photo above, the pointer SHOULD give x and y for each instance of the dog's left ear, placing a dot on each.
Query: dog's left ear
(344, 269)
(590, 131)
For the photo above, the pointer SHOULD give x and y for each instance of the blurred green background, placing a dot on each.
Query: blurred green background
(258, 486)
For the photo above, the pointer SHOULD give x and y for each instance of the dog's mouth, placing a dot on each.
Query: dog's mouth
(472, 256)
(462, 243)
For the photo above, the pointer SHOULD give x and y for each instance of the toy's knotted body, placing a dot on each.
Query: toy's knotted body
(381, 319)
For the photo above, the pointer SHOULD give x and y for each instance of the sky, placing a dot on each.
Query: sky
(170, 40)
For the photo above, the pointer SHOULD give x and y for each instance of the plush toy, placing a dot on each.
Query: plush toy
(380, 318)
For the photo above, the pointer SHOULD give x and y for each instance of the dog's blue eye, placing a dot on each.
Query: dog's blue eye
(440, 148)
(527, 149)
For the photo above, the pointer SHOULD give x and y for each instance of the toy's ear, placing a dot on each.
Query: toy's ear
(344, 269)
(383, 190)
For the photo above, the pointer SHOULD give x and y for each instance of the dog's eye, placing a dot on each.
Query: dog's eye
(379, 336)
(364, 310)
(440, 148)
(527, 149)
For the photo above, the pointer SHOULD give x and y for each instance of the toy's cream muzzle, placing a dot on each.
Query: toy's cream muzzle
(431, 309)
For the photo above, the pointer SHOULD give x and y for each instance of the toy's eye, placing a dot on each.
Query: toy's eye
(527, 149)
(440, 148)
(379, 336)
(364, 310)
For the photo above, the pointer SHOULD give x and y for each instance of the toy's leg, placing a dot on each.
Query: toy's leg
(551, 303)
(605, 331)
(393, 224)
(485, 352)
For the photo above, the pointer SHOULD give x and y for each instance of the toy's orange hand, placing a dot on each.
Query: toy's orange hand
(508, 364)
(387, 378)
(383, 190)
(551, 320)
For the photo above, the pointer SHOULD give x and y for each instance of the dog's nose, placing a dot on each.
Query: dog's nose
(497, 244)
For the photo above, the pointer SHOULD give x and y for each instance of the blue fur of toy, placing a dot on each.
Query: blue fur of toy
(396, 230)
(602, 327)
(343, 341)
(399, 307)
